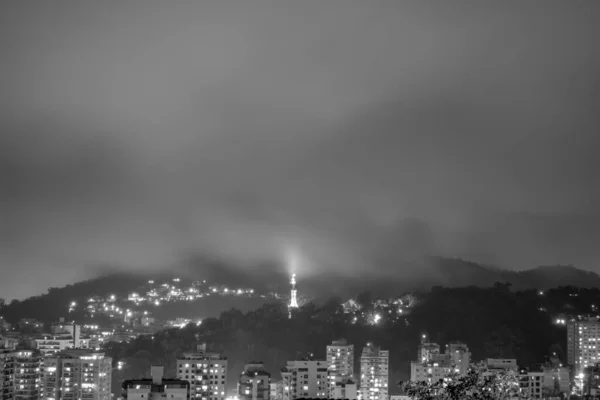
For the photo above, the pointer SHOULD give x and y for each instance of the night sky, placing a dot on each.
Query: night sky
(354, 135)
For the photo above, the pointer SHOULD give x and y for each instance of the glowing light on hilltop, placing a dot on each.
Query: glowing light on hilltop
(292, 264)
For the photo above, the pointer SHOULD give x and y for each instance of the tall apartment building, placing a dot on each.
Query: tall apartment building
(20, 375)
(304, 379)
(340, 358)
(28, 375)
(206, 372)
(77, 374)
(254, 382)
(583, 343)
(7, 374)
(155, 388)
(340, 365)
(424, 372)
(374, 370)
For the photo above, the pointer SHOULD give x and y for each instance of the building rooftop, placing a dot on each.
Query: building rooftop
(256, 372)
(155, 387)
(339, 342)
(80, 353)
(195, 355)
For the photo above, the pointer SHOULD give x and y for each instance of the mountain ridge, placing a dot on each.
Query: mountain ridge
(434, 271)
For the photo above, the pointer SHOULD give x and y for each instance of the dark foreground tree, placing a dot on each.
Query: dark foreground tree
(478, 384)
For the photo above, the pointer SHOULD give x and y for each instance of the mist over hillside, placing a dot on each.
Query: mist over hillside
(271, 278)
(422, 275)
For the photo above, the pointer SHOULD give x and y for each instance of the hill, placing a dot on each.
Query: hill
(459, 273)
(406, 276)
(54, 304)
(427, 273)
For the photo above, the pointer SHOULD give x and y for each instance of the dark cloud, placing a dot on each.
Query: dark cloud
(357, 135)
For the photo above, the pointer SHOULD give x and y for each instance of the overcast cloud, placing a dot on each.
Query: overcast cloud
(357, 134)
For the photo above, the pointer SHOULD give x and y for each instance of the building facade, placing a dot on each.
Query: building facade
(340, 358)
(583, 343)
(429, 372)
(460, 357)
(304, 379)
(426, 350)
(7, 374)
(557, 379)
(71, 339)
(28, 375)
(20, 375)
(276, 392)
(340, 365)
(206, 372)
(254, 382)
(155, 388)
(433, 366)
(77, 374)
(531, 384)
(344, 390)
(374, 370)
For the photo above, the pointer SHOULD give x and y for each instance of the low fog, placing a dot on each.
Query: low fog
(353, 137)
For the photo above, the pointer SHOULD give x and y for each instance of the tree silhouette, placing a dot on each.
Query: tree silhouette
(478, 384)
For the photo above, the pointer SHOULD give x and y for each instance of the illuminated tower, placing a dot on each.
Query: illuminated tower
(292, 262)
(293, 300)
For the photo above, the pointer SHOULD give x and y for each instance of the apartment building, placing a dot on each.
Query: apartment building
(77, 374)
(254, 382)
(305, 379)
(374, 370)
(206, 372)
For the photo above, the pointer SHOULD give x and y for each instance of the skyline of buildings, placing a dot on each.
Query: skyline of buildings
(83, 373)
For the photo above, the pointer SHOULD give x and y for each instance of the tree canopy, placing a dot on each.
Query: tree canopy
(477, 384)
